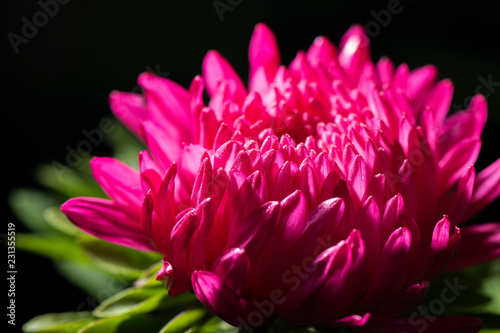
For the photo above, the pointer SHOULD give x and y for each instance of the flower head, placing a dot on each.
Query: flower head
(328, 192)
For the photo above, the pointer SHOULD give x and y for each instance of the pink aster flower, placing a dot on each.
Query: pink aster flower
(328, 192)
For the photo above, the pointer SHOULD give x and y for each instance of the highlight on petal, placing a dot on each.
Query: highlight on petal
(263, 54)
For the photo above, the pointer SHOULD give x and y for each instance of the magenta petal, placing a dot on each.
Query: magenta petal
(118, 180)
(217, 69)
(456, 161)
(393, 262)
(232, 267)
(179, 244)
(354, 320)
(255, 230)
(220, 299)
(147, 219)
(202, 184)
(107, 220)
(263, 53)
(170, 97)
(354, 52)
(470, 253)
(164, 145)
(130, 109)
(486, 188)
(439, 100)
(420, 82)
(322, 51)
(416, 324)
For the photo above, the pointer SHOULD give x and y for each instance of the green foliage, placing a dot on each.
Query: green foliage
(117, 259)
(67, 322)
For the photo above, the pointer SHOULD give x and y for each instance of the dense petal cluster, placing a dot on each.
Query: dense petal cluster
(329, 192)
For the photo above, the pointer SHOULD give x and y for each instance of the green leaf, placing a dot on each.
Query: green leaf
(125, 324)
(148, 278)
(60, 222)
(67, 322)
(93, 280)
(69, 182)
(215, 324)
(140, 300)
(51, 246)
(118, 259)
(490, 330)
(29, 205)
(131, 301)
(184, 320)
(478, 291)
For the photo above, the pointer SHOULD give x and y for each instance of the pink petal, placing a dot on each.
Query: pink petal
(232, 268)
(385, 72)
(464, 124)
(354, 52)
(202, 183)
(457, 160)
(150, 173)
(217, 69)
(393, 262)
(321, 51)
(420, 82)
(179, 248)
(118, 180)
(107, 220)
(170, 97)
(479, 243)
(439, 100)
(486, 188)
(164, 145)
(129, 109)
(254, 231)
(220, 299)
(263, 53)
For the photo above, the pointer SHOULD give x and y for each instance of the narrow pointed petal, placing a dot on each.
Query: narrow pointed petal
(217, 69)
(220, 299)
(107, 220)
(469, 253)
(457, 160)
(439, 100)
(486, 188)
(129, 109)
(322, 51)
(263, 53)
(118, 180)
(165, 146)
(354, 52)
(232, 267)
(169, 96)
(254, 232)
(393, 262)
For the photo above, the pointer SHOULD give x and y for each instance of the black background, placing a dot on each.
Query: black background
(58, 83)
